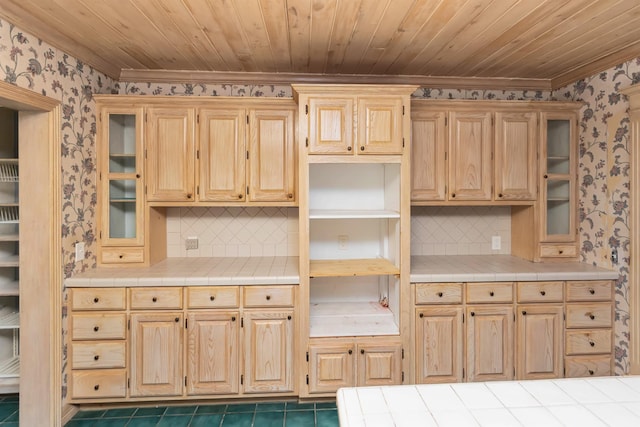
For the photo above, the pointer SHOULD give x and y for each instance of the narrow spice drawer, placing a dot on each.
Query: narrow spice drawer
(213, 297)
(558, 251)
(539, 291)
(122, 255)
(438, 293)
(98, 384)
(588, 342)
(501, 292)
(596, 315)
(156, 298)
(98, 355)
(587, 366)
(110, 326)
(589, 291)
(98, 299)
(269, 296)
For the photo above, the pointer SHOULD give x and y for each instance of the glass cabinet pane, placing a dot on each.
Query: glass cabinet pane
(122, 209)
(122, 143)
(558, 207)
(558, 146)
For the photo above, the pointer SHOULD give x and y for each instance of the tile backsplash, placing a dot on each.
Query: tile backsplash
(233, 231)
(460, 230)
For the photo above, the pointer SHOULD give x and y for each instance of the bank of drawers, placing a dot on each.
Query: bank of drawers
(589, 329)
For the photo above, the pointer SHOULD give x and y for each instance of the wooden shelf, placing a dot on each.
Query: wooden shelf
(10, 261)
(351, 267)
(347, 319)
(10, 289)
(10, 368)
(351, 214)
(123, 200)
(9, 318)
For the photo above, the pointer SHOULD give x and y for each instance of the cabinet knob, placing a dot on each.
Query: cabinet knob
(473, 313)
(96, 328)
(288, 317)
(500, 195)
(96, 299)
(592, 291)
(290, 196)
(154, 299)
(96, 357)
(560, 251)
(349, 149)
(440, 294)
(591, 316)
(421, 315)
(545, 176)
(543, 293)
(177, 319)
(120, 256)
(239, 196)
(524, 312)
(362, 351)
(96, 387)
(233, 318)
(362, 148)
(189, 196)
(268, 297)
(137, 175)
(491, 293)
(453, 195)
(211, 298)
(591, 372)
(350, 351)
(592, 344)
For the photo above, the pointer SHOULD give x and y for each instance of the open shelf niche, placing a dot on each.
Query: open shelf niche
(354, 238)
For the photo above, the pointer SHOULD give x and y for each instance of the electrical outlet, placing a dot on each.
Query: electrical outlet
(79, 251)
(495, 243)
(343, 242)
(191, 243)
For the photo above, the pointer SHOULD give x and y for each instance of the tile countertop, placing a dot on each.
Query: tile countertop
(196, 272)
(500, 268)
(603, 401)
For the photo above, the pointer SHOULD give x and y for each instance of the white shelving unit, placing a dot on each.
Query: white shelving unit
(9, 253)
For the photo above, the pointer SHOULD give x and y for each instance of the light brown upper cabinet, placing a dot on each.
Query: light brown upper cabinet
(428, 163)
(224, 152)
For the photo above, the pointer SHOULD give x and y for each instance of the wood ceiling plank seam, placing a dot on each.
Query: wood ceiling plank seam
(160, 18)
(571, 76)
(230, 28)
(408, 30)
(341, 35)
(607, 48)
(394, 14)
(469, 35)
(12, 11)
(109, 17)
(484, 37)
(369, 14)
(470, 11)
(322, 17)
(530, 56)
(278, 34)
(593, 34)
(299, 27)
(539, 27)
(249, 15)
(414, 57)
(207, 24)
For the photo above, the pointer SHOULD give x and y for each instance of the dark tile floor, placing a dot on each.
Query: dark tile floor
(9, 411)
(272, 414)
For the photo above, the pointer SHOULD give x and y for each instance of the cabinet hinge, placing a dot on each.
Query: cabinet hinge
(128, 382)
(197, 189)
(145, 153)
(247, 119)
(462, 313)
(145, 189)
(100, 176)
(100, 235)
(306, 111)
(197, 154)
(446, 121)
(403, 376)
(241, 379)
(247, 189)
(247, 154)
(403, 110)
(129, 324)
(197, 121)
(146, 117)
(186, 323)
(242, 322)
(307, 356)
(403, 141)
(306, 142)
(462, 372)
(307, 379)
(185, 381)
(445, 155)
(403, 353)
(514, 317)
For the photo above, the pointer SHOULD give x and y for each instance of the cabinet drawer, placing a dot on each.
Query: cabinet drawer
(156, 298)
(98, 299)
(490, 292)
(588, 342)
(438, 293)
(122, 255)
(589, 366)
(539, 291)
(589, 291)
(98, 384)
(558, 251)
(98, 326)
(213, 297)
(268, 296)
(589, 315)
(97, 355)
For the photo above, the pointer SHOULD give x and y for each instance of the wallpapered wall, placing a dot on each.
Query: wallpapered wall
(30, 63)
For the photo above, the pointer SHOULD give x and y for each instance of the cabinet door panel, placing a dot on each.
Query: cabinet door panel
(170, 154)
(156, 354)
(470, 156)
(331, 367)
(515, 156)
(212, 361)
(489, 343)
(539, 342)
(380, 125)
(268, 348)
(222, 155)
(428, 145)
(439, 345)
(271, 156)
(331, 125)
(379, 365)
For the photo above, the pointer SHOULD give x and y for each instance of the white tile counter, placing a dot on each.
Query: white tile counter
(195, 272)
(584, 402)
(500, 268)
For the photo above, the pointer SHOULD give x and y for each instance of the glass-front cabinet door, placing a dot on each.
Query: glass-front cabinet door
(121, 177)
(558, 219)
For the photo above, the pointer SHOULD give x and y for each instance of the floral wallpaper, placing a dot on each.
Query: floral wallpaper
(30, 63)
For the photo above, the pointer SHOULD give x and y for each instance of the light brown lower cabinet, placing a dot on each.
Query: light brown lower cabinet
(539, 347)
(440, 348)
(489, 343)
(335, 363)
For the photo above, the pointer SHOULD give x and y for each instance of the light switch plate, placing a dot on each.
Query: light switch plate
(495, 243)
(79, 251)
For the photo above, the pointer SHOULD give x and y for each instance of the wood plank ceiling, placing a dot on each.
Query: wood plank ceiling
(536, 44)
